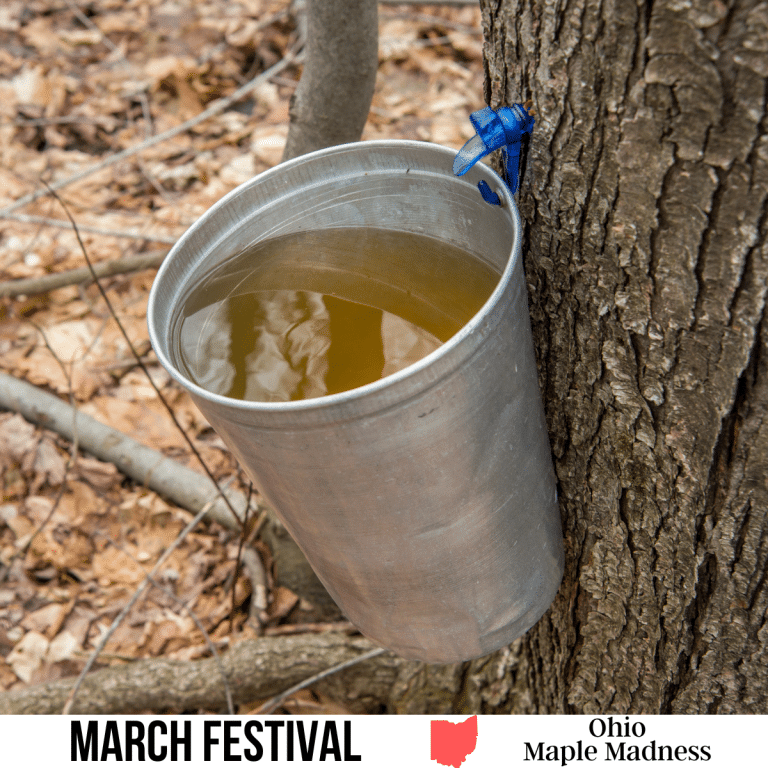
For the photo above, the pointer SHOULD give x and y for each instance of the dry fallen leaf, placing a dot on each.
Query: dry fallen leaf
(99, 474)
(283, 602)
(63, 647)
(27, 655)
(48, 464)
(17, 439)
(43, 619)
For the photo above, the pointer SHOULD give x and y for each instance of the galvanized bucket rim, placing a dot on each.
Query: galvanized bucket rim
(473, 325)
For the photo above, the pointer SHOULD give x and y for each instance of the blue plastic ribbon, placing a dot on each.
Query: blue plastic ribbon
(502, 129)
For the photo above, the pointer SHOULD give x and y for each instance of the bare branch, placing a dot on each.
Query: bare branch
(446, 3)
(432, 19)
(171, 413)
(131, 234)
(32, 286)
(311, 626)
(271, 705)
(257, 575)
(182, 485)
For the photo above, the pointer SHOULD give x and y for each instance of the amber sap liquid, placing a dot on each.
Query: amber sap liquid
(316, 313)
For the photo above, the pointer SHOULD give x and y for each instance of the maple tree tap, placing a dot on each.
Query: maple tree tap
(502, 129)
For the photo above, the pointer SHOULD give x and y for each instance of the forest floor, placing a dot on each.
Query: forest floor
(78, 84)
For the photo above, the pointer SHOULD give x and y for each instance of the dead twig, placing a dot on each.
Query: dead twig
(270, 706)
(437, 21)
(125, 364)
(140, 362)
(240, 546)
(64, 224)
(32, 286)
(257, 575)
(88, 24)
(67, 120)
(446, 3)
(310, 627)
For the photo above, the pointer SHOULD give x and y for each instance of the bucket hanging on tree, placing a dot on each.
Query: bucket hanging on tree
(425, 500)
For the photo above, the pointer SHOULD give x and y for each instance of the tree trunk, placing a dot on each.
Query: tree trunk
(645, 205)
(331, 103)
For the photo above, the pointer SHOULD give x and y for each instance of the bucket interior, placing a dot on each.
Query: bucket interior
(396, 186)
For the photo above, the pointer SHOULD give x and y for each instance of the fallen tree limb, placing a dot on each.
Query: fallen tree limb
(260, 669)
(32, 286)
(272, 704)
(446, 3)
(182, 485)
(255, 669)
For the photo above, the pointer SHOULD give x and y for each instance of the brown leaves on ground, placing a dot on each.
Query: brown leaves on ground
(79, 83)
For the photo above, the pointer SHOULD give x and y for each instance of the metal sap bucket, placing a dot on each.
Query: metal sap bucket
(425, 501)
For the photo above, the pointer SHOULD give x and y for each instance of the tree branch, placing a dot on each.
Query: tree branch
(255, 669)
(64, 224)
(182, 485)
(32, 286)
(446, 3)
(270, 706)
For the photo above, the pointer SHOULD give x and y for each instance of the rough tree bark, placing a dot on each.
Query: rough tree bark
(645, 209)
(331, 103)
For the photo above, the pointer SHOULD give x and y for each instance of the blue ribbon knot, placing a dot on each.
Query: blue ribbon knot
(502, 129)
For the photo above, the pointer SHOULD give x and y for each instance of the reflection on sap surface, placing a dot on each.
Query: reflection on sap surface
(296, 345)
